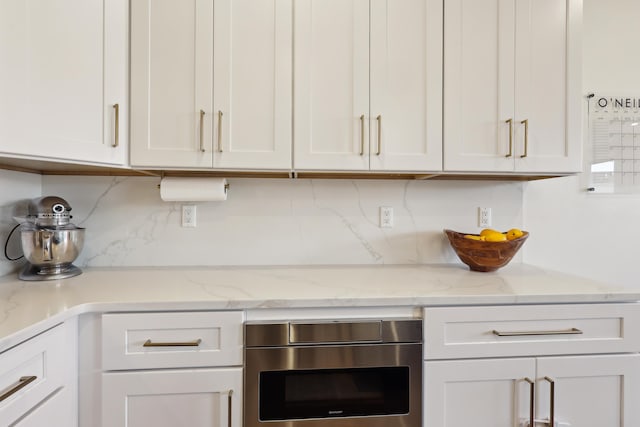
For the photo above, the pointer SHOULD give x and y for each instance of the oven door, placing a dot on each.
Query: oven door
(373, 385)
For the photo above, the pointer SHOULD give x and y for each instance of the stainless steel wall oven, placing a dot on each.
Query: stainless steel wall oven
(351, 373)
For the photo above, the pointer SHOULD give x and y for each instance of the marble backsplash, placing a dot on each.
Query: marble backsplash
(280, 221)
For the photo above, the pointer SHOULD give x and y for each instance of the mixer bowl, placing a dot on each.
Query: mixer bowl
(52, 250)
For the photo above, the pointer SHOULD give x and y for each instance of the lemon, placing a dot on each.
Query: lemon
(487, 231)
(514, 233)
(495, 237)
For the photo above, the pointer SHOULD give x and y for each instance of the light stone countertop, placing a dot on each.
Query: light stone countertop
(27, 308)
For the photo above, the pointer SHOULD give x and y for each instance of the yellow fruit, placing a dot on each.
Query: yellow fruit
(488, 231)
(495, 237)
(473, 237)
(514, 233)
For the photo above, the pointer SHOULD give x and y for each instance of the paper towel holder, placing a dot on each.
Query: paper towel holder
(226, 186)
(193, 189)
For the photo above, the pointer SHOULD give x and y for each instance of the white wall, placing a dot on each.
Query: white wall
(280, 221)
(592, 234)
(15, 189)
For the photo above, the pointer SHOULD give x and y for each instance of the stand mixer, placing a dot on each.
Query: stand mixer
(50, 243)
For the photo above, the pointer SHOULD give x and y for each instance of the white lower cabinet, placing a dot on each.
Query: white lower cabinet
(38, 382)
(57, 410)
(171, 369)
(565, 366)
(589, 391)
(194, 398)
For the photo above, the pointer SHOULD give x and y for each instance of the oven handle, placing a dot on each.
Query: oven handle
(335, 332)
(340, 332)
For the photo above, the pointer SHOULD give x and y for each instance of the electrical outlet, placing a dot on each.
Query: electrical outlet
(386, 217)
(188, 215)
(484, 217)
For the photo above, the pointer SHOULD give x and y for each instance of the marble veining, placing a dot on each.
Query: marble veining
(280, 221)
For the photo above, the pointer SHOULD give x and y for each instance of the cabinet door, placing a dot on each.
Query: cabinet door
(64, 67)
(590, 391)
(194, 398)
(57, 410)
(479, 45)
(34, 371)
(406, 85)
(252, 84)
(331, 84)
(171, 83)
(548, 85)
(479, 393)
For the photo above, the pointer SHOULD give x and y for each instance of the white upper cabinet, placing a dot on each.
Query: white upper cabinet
(331, 84)
(512, 87)
(171, 82)
(63, 80)
(367, 85)
(406, 85)
(211, 84)
(252, 84)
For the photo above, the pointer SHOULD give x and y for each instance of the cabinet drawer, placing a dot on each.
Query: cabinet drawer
(171, 340)
(30, 372)
(468, 332)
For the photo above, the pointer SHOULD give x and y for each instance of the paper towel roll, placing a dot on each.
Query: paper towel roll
(193, 189)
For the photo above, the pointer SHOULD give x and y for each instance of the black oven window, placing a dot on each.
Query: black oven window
(325, 393)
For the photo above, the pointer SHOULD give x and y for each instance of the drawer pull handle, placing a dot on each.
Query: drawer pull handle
(194, 343)
(22, 383)
(572, 331)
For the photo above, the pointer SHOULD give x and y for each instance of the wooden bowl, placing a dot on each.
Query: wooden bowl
(484, 256)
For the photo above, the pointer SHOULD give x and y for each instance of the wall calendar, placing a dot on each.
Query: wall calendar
(614, 134)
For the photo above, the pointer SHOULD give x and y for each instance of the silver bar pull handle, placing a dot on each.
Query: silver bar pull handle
(194, 343)
(552, 401)
(220, 131)
(379, 119)
(22, 383)
(572, 331)
(116, 125)
(532, 394)
(362, 135)
(202, 130)
(510, 122)
(526, 137)
(230, 407)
